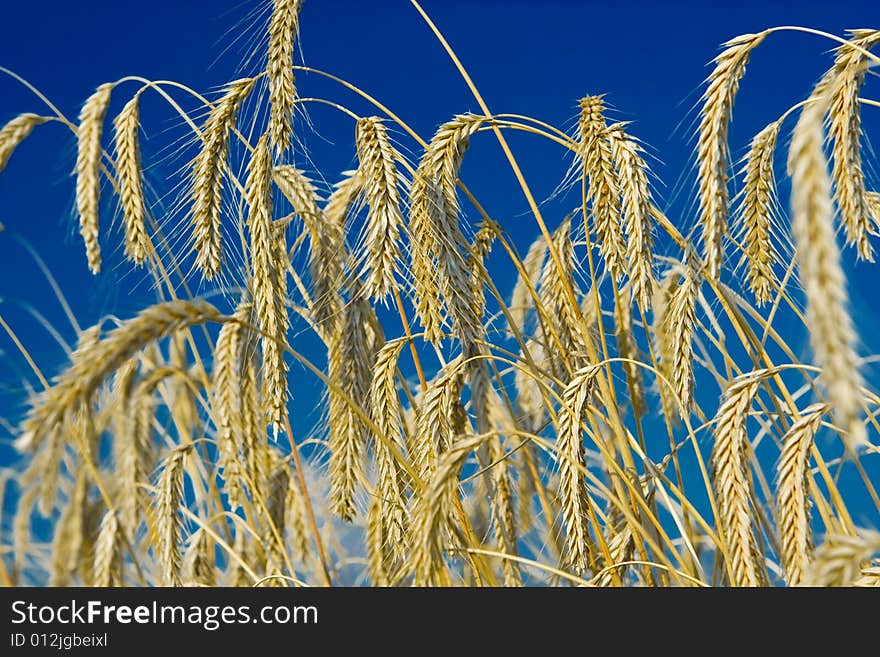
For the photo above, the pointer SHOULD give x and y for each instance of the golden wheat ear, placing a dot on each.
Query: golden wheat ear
(15, 132)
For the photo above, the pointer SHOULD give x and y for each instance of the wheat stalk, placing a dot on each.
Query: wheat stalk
(267, 281)
(283, 28)
(573, 493)
(832, 334)
(207, 176)
(88, 170)
(713, 151)
(384, 219)
(128, 167)
(16, 131)
(792, 498)
(594, 153)
(732, 485)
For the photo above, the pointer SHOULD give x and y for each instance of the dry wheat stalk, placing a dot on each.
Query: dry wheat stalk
(754, 212)
(198, 561)
(391, 489)
(792, 497)
(565, 339)
(443, 160)
(713, 151)
(594, 154)
(838, 561)
(832, 334)
(128, 171)
(845, 132)
(91, 365)
(678, 325)
(636, 204)
(522, 299)
(108, 555)
(166, 516)
(350, 369)
(226, 385)
(384, 219)
(573, 493)
(15, 132)
(423, 244)
(436, 426)
(88, 171)
(269, 301)
(732, 484)
(432, 514)
(283, 28)
(207, 176)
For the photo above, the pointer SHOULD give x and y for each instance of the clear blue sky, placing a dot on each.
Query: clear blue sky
(534, 58)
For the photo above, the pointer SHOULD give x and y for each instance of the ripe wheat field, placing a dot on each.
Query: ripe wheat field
(637, 410)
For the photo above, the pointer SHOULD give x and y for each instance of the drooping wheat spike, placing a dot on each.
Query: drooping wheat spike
(603, 192)
(713, 151)
(166, 515)
(435, 432)
(679, 323)
(845, 132)
(792, 497)
(283, 28)
(128, 169)
(620, 538)
(108, 554)
(636, 204)
(572, 493)
(873, 199)
(522, 301)
(276, 496)
(295, 521)
(391, 490)
(326, 254)
(491, 459)
(566, 339)
(754, 213)
(88, 170)
(423, 244)
(130, 472)
(269, 304)
(443, 160)
(529, 402)
(227, 404)
(384, 219)
(183, 401)
(198, 568)
(350, 370)
(16, 131)
(832, 333)
(379, 559)
(92, 365)
(838, 560)
(68, 536)
(628, 348)
(253, 426)
(432, 514)
(732, 485)
(207, 177)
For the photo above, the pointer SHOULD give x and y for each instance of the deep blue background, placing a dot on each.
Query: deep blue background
(534, 58)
